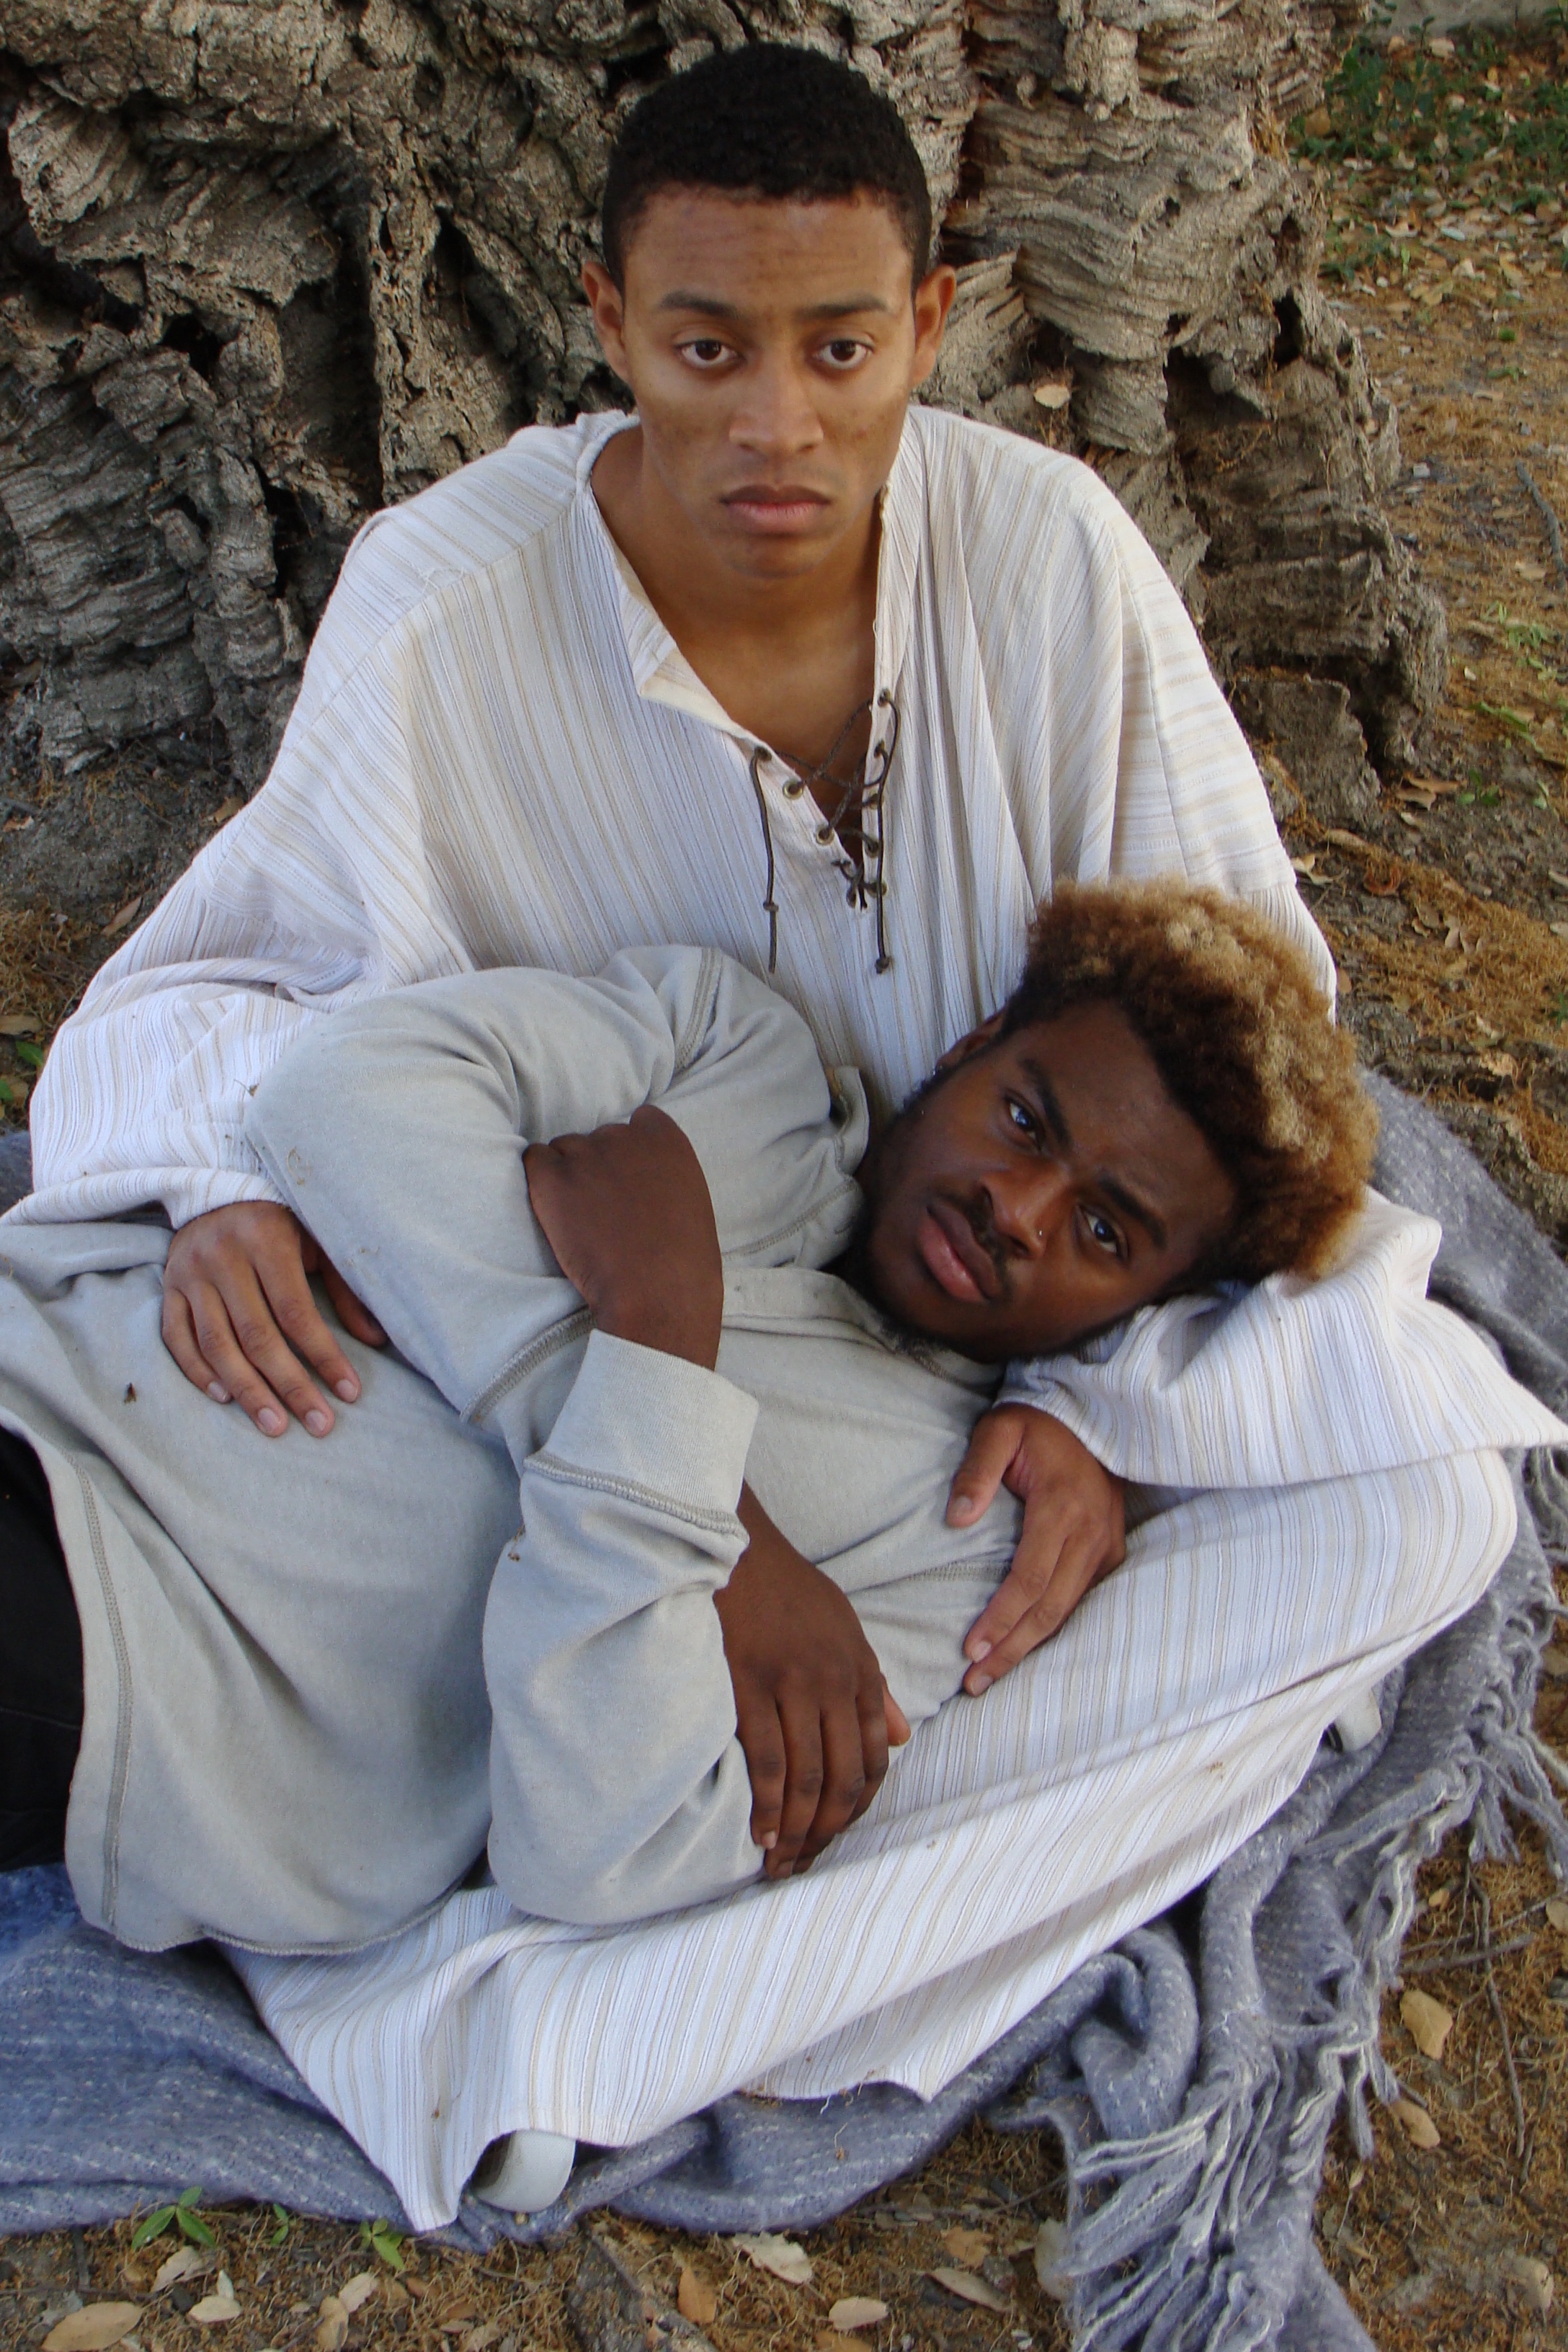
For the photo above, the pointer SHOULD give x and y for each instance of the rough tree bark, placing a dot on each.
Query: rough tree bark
(266, 264)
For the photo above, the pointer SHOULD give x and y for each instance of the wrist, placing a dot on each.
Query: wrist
(672, 1324)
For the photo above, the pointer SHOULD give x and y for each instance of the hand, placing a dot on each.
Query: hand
(237, 1304)
(812, 1712)
(628, 1212)
(1074, 1532)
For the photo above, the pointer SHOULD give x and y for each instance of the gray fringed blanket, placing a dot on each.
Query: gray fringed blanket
(1194, 2095)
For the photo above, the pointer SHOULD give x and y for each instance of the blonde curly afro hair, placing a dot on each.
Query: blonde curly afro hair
(1245, 1041)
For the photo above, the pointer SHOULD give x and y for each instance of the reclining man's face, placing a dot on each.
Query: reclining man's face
(1040, 1188)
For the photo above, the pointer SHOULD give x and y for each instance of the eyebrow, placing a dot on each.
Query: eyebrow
(710, 306)
(1114, 1190)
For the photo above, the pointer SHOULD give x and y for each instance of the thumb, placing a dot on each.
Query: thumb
(898, 1721)
(974, 1483)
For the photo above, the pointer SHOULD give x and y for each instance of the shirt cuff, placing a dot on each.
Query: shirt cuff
(657, 1422)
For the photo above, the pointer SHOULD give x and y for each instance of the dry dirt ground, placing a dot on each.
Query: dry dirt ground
(1443, 174)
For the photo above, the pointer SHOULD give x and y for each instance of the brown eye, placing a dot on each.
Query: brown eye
(1102, 1233)
(705, 350)
(843, 351)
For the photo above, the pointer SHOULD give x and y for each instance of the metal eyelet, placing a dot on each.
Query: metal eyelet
(794, 789)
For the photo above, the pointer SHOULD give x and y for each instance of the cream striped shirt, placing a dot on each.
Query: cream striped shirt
(499, 756)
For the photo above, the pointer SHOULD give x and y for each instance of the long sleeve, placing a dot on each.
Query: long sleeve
(1189, 798)
(617, 1785)
(309, 899)
(396, 1133)
(1291, 1381)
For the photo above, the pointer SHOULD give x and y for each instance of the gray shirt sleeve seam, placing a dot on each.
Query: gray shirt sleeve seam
(631, 1490)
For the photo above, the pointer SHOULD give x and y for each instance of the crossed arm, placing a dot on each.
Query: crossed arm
(241, 1321)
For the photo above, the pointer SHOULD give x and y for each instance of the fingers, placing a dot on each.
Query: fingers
(761, 1735)
(351, 1310)
(244, 1335)
(180, 1338)
(240, 1320)
(992, 1447)
(1030, 1613)
(898, 1722)
(802, 1787)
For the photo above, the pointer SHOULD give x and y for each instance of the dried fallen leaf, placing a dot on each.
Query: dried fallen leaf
(216, 2310)
(335, 2325)
(17, 1025)
(969, 2247)
(1557, 1914)
(970, 2288)
(695, 2299)
(480, 2339)
(853, 2311)
(1554, 1660)
(782, 2256)
(1050, 2255)
(230, 807)
(1426, 2021)
(1049, 394)
(1419, 2127)
(127, 914)
(186, 2263)
(359, 2290)
(1526, 2271)
(828, 2339)
(1343, 840)
(94, 2329)
(1439, 1898)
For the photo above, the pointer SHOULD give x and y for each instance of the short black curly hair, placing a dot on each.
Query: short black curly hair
(1245, 1041)
(767, 119)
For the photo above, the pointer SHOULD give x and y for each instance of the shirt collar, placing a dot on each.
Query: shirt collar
(661, 672)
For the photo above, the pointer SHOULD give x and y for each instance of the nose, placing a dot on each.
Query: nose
(776, 416)
(1028, 1205)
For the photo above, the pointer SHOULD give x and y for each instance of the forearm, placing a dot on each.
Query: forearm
(618, 1784)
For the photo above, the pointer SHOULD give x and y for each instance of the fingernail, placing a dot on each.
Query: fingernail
(317, 1423)
(769, 1840)
(217, 1393)
(975, 1683)
(981, 1649)
(271, 1421)
(961, 1507)
(347, 1389)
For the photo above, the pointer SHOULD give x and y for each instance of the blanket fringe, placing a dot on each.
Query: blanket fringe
(1196, 2239)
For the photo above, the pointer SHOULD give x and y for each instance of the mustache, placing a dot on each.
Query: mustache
(981, 1218)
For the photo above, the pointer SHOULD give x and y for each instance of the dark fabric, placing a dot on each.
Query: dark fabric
(40, 1665)
(15, 1166)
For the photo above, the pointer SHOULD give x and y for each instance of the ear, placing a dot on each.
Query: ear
(608, 305)
(933, 301)
(974, 1043)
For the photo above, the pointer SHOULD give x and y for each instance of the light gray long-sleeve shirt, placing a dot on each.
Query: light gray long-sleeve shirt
(309, 1686)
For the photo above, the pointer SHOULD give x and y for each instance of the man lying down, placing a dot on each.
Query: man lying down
(319, 1679)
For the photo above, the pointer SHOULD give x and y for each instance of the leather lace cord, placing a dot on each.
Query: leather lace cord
(865, 795)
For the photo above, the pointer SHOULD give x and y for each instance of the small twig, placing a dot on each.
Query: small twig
(1549, 517)
(23, 808)
(1502, 2028)
(1431, 1964)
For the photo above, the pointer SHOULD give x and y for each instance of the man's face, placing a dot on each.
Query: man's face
(771, 348)
(1044, 1187)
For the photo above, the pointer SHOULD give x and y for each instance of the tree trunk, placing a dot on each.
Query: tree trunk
(266, 264)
